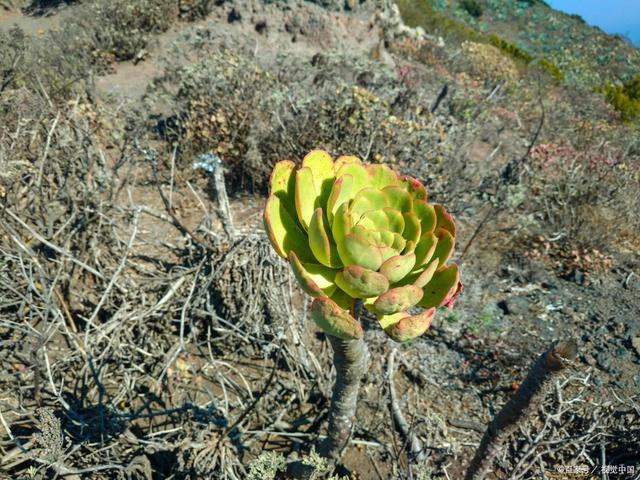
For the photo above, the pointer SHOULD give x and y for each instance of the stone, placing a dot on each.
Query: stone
(514, 305)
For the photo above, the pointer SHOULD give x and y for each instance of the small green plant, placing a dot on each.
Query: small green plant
(625, 98)
(510, 49)
(552, 69)
(361, 232)
(267, 466)
(360, 235)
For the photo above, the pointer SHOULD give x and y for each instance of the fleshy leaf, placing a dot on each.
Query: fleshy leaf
(360, 252)
(398, 299)
(346, 160)
(388, 238)
(321, 165)
(441, 288)
(410, 327)
(334, 320)
(284, 233)
(387, 321)
(399, 243)
(283, 184)
(375, 219)
(306, 196)
(360, 282)
(321, 241)
(381, 176)
(342, 225)
(359, 174)
(387, 253)
(316, 280)
(368, 199)
(399, 198)
(427, 215)
(343, 300)
(426, 275)
(341, 192)
(397, 267)
(444, 220)
(396, 220)
(444, 248)
(414, 187)
(371, 236)
(412, 227)
(425, 249)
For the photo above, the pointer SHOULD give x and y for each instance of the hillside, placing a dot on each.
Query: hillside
(149, 331)
(586, 56)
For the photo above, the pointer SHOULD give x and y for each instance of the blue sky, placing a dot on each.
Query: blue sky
(612, 16)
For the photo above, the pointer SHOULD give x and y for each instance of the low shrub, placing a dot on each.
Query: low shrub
(510, 49)
(588, 197)
(552, 69)
(120, 29)
(420, 13)
(251, 118)
(487, 62)
(625, 98)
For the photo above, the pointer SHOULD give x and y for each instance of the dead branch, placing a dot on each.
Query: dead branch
(527, 399)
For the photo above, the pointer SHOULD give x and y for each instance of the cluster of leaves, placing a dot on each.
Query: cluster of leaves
(125, 26)
(625, 98)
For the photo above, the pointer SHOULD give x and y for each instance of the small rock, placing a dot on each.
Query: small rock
(261, 26)
(578, 276)
(603, 360)
(234, 16)
(635, 342)
(589, 359)
(622, 353)
(514, 305)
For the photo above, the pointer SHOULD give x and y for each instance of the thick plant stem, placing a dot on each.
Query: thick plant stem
(351, 361)
(526, 400)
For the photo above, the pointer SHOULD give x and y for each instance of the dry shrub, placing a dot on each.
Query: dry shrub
(590, 198)
(253, 116)
(487, 62)
(60, 64)
(121, 29)
(194, 9)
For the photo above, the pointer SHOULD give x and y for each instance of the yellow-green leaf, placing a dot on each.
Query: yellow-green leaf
(283, 231)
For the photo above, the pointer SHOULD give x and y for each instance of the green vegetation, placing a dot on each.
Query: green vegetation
(625, 98)
(586, 56)
(552, 69)
(422, 13)
(510, 49)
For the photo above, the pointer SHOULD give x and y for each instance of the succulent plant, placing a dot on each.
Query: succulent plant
(360, 231)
